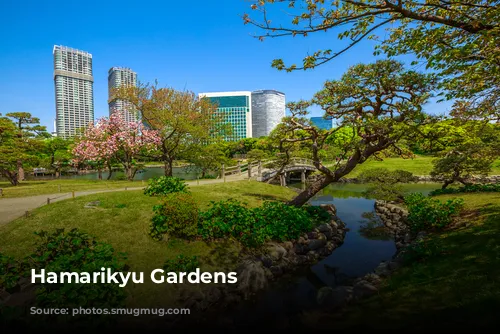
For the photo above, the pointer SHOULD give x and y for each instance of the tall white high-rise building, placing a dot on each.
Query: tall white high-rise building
(74, 90)
(268, 109)
(121, 77)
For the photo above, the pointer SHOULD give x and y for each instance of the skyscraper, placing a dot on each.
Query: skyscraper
(121, 77)
(268, 109)
(74, 90)
(237, 109)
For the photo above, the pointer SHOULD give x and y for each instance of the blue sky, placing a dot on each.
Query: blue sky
(201, 46)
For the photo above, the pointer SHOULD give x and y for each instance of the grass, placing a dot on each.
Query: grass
(420, 165)
(122, 219)
(456, 282)
(33, 188)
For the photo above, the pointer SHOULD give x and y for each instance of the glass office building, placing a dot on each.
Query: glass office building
(322, 123)
(237, 110)
(73, 82)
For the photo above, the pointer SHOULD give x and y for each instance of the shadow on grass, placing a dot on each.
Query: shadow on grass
(263, 197)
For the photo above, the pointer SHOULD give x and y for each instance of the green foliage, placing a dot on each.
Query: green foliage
(177, 215)
(76, 251)
(385, 183)
(226, 218)
(272, 221)
(257, 154)
(281, 222)
(9, 272)
(473, 188)
(426, 213)
(164, 185)
(182, 263)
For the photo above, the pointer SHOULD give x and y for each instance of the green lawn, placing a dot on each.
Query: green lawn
(123, 219)
(33, 188)
(420, 165)
(458, 279)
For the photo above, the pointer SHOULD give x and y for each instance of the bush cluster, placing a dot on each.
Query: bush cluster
(182, 263)
(164, 185)
(177, 215)
(473, 188)
(72, 251)
(426, 213)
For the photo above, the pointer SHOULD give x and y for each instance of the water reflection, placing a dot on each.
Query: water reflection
(366, 244)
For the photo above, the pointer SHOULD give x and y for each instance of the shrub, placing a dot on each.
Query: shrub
(75, 251)
(473, 188)
(9, 272)
(177, 215)
(224, 218)
(282, 222)
(317, 214)
(164, 185)
(427, 213)
(385, 183)
(182, 263)
(273, 221)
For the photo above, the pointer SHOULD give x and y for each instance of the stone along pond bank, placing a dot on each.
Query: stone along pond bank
(257, 269)
(394, 218)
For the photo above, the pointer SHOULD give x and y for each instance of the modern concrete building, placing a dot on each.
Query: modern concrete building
(322, 123)
(121, 77)
(74, 90)
(237, 109)
(268, 109)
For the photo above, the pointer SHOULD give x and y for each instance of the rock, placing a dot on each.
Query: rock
(300, 249)
(301, 259)
(330, 246)
(312, 256)
(393, 265)
(212, 295)
(4, 296)
(363, 289)
(334, 224)
(321, 236)
(399, 244)
(302, 241)
(267, 262)
(374, 279)
(389, 225)
(251, 277)
(329, 207)
(312, 235)
(288, 245)
(275, 251)
(93, 204)
(328, 234)
(382, 270)
(316, 243)
(305, 236)
(276, 271)
(324, 228)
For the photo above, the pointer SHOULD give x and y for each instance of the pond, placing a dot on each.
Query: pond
(360, 254)
(145, 174)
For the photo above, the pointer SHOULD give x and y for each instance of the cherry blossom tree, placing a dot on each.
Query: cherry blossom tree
(114, 138)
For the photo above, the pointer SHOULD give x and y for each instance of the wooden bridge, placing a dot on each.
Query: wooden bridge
(264, 170)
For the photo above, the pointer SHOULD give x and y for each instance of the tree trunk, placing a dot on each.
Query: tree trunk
(99, 173)
(20, 171)
(446, 184)
(310, 191)
(110, 169)
(168, 167)
(11, 176)
(128, 172)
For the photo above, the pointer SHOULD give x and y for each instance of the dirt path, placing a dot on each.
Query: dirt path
(12, 208)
